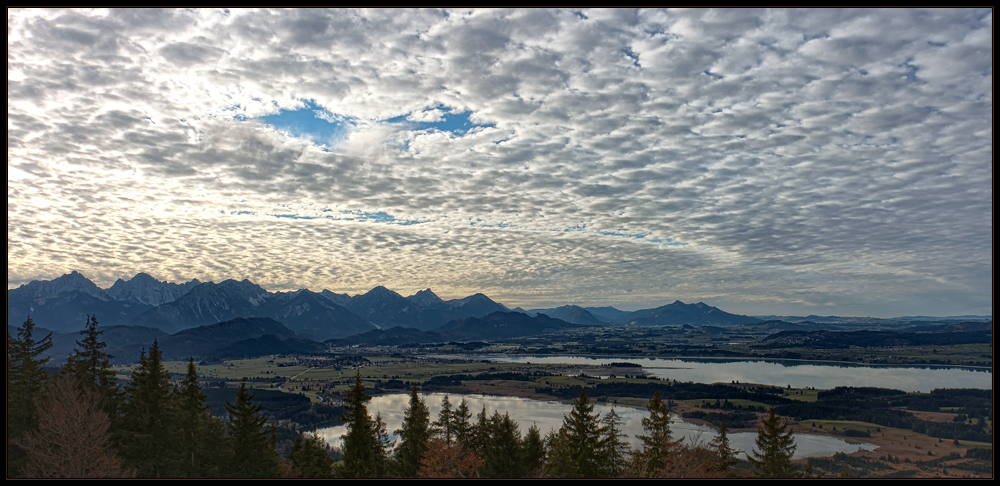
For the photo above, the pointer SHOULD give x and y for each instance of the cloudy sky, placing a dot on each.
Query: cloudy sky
(829, 162)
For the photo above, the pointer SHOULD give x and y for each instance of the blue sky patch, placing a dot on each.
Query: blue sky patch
(311, 122)
(440, 118)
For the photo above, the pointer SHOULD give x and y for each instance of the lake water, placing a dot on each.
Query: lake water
(548, 415)
(798, 374)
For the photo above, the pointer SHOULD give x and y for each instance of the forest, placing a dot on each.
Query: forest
(79, 423)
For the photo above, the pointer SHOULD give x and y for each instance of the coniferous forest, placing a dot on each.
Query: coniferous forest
(78, 423)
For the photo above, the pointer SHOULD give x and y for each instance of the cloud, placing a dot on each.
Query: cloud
(799, 155)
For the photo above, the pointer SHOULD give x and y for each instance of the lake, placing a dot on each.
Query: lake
(548, 415)
(798, 374)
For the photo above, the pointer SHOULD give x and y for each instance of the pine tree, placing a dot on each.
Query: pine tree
(772, 457)
(445, 424)
(92, 367)
(310, 458)
(462, 422)
(26, 380)
(501, 448)
(532, 452)
(148, 432)
(253, 440)
(613, 446)
(414, 434)
(580, 440)
(72, 440)
(362, 457)
(727, 456)
(656, 445)
(201, 437)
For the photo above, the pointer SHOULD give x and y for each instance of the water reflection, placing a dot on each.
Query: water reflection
(548, 415)
(798, 374)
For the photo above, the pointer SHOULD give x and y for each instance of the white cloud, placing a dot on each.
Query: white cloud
(823, 156)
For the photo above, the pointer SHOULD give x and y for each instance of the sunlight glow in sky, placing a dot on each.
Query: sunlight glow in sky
(831, 162)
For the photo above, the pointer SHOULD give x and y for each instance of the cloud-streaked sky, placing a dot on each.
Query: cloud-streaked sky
(833, 162)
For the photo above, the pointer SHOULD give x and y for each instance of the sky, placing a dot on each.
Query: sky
(789, 162)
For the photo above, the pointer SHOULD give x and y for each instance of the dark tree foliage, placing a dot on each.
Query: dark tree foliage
(201, 441)
(414, 434)
(501, 448)
(363, 449)
(613, 445)
(462, 423)
(444, 426)
(92, 367)
(310, 458)
(727, 455)
(772, 456)
(532, 451)
(26, 380)
(651, 460)
(576, 451)
(253, 441)
(148, 434)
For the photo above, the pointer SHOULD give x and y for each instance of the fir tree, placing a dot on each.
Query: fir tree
(461, 419)
(613, 446)
(362, 456)
(532, 451)
(148, 432)
(201, 438)
(26, 380)
(501, 448)
(727, 456)
(656, 445)
(253, 441)
(92, 367)
(579, 440)
(772, 457)
(414, 434)
(445, 424)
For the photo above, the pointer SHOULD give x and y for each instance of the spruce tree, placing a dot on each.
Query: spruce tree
(362, 449)
(727, 456)
(501, 448)
(148, 432)
(26, 380)
(445, 424)
(201, 438)
(578, 444)
(613, 446)
(92, 367)
(462, 422)
(253, 440)
(414, 434)
(532, 451)
(772, 456)
(651, 460)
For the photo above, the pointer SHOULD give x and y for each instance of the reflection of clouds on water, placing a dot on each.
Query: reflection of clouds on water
(795, 373)
(548, 415)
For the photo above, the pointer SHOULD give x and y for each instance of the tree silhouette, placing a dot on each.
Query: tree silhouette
(26, 380)
(72, 440)
(92, 367)
(772, 457)
(363, 449)
(414, 434)
(577, 451)
(253, 441)
(148, 432)
(445, 424)
(651, 460)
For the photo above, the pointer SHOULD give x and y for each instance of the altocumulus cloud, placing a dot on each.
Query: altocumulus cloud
(776, 161)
